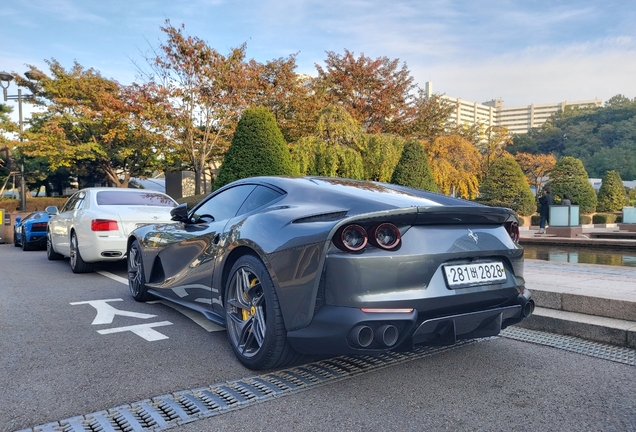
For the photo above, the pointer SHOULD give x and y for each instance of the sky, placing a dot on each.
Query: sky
(530, 51)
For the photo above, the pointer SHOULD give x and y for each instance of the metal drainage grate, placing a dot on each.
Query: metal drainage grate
(167, 411)
(570, 343)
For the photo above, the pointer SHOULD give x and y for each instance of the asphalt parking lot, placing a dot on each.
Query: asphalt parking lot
(73, 345)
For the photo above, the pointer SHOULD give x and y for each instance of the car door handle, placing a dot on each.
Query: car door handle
(216, 239)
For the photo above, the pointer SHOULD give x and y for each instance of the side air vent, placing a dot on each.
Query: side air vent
(324, 217)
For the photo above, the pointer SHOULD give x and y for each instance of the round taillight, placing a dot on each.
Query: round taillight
(353, 238)
(513, 230)
(386, 236)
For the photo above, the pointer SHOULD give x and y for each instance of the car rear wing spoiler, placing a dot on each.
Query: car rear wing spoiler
(464, 215)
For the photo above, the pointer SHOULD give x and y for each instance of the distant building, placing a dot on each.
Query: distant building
(518, 119)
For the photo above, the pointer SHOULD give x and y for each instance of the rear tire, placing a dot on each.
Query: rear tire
(253, 318)
(25, 245)
(50, 253)
(136, 274)
(78, 265)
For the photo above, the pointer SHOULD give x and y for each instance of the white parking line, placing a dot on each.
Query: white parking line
(113, 277)
(198, 318)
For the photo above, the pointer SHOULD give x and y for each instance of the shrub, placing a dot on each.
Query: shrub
(604, 218)
(506, 186)
(570, 177)
(32, 203)
(413, 169)
(535, 219)
(585, 219)
(258, 148)
(380, 155)
(611, 195)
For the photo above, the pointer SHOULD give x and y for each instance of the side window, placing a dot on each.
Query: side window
(259, 197)
(80, 201)
(226, 204)
(70, 204)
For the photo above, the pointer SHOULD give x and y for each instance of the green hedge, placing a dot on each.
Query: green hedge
(33, 203)
(535, 219)
(604, 218)
(585, 219)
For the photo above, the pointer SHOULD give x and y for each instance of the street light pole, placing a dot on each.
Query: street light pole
(5, 79)
(23, 207)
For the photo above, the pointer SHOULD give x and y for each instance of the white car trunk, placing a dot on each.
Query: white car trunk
(128, 217)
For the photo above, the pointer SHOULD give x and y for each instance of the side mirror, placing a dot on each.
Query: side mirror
(18, 219)
(180, 213)
(51, 210)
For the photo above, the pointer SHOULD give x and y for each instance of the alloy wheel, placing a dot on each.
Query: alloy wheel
(245, 308)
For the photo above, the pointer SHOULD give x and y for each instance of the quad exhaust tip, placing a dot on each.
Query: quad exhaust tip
(362, 335)
(528, 308)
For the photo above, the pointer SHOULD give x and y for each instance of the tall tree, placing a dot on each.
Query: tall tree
(90, 118)
(208, 92)
(455, 166)
(6, 144)
(430, 118)
(611, 195)
(334, 148)
(413, 169)
(536, 167)
(492, 146)
(292, 98)
(603, 138)
(378, 93)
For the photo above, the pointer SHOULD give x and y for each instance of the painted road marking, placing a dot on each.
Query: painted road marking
(113, 277)
(145, 331)
(195, 316)
(106, 313)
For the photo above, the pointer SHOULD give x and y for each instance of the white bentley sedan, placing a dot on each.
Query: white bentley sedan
(94, 224)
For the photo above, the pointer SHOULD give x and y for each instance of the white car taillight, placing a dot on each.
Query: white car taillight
(104, 225)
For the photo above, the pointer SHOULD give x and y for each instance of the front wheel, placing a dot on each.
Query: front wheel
(253, 317)
(16, 243)
(50, 253)
(136, 275)
(78, 265)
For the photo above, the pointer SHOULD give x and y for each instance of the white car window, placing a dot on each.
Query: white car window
(138, 198)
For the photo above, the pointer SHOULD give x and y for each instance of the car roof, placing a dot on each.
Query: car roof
(348, 192)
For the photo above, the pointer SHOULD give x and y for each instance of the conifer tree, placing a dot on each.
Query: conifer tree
(413, 169)
(611, 195)
(570, 177)
(258, 148)
(505, 185)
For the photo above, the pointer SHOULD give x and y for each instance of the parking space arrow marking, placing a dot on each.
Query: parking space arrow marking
(145, 331)
(106, 313)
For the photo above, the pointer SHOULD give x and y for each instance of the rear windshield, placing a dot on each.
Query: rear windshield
(140, 198)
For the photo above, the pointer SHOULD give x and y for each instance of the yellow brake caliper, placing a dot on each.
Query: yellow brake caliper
(246, 314)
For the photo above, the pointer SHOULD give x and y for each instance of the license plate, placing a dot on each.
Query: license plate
(474, 274)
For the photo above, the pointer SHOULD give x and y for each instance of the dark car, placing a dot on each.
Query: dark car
(30, 232)
(329, 266)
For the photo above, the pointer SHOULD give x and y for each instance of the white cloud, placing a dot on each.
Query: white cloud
(541, 74)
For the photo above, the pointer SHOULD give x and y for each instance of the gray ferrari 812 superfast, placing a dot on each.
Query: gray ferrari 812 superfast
(329, 266)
